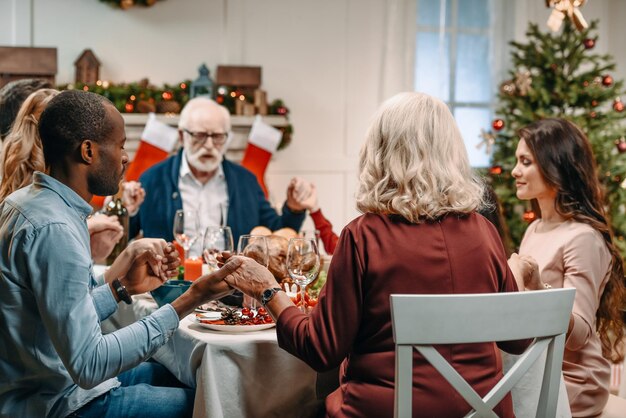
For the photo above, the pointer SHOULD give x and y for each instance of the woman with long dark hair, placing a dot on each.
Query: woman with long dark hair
(573, 245)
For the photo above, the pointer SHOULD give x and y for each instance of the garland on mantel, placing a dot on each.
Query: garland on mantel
(127, 4)
(143, 97)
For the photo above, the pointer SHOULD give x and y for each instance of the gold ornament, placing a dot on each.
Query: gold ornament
(508, 88)
(126, 4)
(488, 140)
(563, 9)
(523, 82)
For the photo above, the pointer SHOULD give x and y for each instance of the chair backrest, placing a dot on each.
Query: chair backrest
(420, 321)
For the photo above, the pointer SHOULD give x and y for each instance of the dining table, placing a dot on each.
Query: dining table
(236, 374)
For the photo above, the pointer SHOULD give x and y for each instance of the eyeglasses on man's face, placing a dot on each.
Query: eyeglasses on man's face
(199, 138)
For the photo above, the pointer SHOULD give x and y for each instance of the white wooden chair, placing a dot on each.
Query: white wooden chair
(422, 321)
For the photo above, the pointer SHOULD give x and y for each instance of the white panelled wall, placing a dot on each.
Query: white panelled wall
(324, 58)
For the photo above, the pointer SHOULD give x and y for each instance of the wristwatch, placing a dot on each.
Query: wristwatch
(268, 294)
(120, 290)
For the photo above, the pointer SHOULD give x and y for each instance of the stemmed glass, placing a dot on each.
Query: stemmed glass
(185, 229)
(216, 239)
(303, 264)
(255, 247)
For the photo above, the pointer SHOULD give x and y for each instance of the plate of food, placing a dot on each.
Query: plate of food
(235, 320)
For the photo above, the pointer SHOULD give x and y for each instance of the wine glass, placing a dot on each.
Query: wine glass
(216, 239)
(255, 247)
(311, 234)
(185, 229)
(303, 264)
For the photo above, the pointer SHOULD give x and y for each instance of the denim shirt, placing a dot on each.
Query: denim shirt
(53, 355)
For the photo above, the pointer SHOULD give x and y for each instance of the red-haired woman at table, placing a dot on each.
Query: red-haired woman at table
(573, 245)
(419, 233)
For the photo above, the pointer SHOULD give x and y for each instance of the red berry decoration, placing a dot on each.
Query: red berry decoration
(618, 106)
(621, 145)
(498, 124)
(589, 43)
(607, 80)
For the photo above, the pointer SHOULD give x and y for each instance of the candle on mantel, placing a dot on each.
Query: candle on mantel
(193, 268)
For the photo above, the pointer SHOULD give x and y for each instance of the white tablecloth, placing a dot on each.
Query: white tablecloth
(235, 375)
(526, 392)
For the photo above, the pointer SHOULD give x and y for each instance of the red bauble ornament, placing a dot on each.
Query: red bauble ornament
(593, 115)
(594, 103)
(496, 170)
(607, 80)
(497, 124)
(282, 110)
(618, 106)
(219, 99)
(585, 83)
(129, 107)
(589, 43)
(529, 216)
(621, 145)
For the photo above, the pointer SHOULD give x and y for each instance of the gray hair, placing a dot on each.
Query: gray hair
(414, 163)
(207, 105)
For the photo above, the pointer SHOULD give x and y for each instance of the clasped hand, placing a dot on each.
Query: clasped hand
(145, 265)
(526, 272)
(249, 277)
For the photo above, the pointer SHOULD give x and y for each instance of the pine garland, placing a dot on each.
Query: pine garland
(143, 97)
(126, 4)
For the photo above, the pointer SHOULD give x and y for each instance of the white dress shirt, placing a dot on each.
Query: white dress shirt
(209, 200)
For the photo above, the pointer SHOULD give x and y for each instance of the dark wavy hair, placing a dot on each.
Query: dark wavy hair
(565, 160)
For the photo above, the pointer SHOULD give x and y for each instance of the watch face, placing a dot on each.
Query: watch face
(267, 293)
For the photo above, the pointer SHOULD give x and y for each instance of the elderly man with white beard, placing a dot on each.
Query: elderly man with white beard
(199, 179)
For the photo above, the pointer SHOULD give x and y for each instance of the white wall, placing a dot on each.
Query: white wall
(324, 58)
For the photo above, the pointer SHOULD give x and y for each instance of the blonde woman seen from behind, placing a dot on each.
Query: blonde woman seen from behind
(419, 233)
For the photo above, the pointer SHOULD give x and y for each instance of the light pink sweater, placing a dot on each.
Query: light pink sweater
(573, 254)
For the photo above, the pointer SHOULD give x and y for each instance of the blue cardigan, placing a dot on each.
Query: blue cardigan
(247, 206)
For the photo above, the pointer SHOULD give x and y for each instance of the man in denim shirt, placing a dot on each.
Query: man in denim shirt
(54, 359)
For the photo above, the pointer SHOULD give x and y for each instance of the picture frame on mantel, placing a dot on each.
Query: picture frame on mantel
(17, 63)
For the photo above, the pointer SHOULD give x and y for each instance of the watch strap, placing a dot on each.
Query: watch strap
(120, 290)
(268, 294)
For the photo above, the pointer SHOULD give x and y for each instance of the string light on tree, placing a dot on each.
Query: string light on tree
(529, 216)
(495, 170)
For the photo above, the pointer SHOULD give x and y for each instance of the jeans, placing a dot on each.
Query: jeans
(148, 391)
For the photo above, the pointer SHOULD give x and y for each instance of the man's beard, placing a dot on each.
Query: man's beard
(104, 182)
(206, 166)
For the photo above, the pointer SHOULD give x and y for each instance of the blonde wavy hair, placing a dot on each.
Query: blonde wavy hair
(22, 153)
(414, 163)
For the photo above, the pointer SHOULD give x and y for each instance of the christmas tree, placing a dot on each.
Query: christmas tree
(559, 75)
